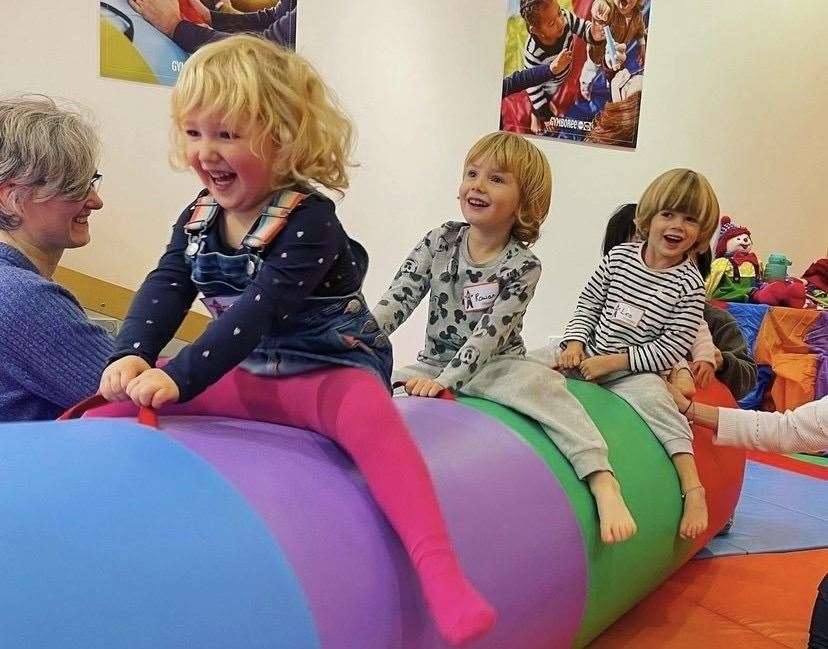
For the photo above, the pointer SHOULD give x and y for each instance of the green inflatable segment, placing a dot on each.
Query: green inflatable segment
(619, 575)
(819, 460)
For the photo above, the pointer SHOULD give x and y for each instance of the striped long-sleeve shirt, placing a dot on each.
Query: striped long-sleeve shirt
(537, 53)
(652, 314)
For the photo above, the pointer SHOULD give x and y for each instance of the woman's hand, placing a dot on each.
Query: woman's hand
(117, 376)
(152, 389)
(682, 402)
(682, 378)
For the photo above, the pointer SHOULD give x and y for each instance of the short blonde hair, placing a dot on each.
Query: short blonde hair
(46, 151)
(276, 94)
(512, 153)
(682, 190)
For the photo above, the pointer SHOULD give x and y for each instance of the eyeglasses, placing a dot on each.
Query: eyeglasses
(95, 183)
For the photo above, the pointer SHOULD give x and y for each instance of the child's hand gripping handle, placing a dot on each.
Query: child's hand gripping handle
(146, 416)
(445, 393)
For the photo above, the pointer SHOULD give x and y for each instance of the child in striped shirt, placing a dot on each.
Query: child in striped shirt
(720, 350)
(551, 38)
(639, 314)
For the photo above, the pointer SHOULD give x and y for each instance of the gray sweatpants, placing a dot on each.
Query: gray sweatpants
(648, 396)
(536, 390)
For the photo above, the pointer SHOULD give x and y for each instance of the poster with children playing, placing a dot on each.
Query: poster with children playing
(149, 40)
(574, 69)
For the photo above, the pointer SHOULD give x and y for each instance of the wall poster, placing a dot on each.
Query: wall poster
(574, 69)
(149, 40)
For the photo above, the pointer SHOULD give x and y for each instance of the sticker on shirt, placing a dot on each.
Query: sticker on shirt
(480, 297)
(219, 304)
(627, 314)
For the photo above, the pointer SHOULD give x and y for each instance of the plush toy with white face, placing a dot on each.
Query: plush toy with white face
(741, 243)
(735, 272)
(733, 238)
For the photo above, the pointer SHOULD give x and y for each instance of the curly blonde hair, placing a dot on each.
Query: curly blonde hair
(276, 94)
(682, 190)
(520, 157)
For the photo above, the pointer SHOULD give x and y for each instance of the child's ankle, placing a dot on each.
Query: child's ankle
(602, 481)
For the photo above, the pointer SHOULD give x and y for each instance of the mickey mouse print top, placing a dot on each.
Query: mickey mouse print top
(475, 310)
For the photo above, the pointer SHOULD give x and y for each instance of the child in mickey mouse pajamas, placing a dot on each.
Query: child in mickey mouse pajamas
(481, 277)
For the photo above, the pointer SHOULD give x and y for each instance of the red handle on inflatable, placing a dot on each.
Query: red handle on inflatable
(146, 416)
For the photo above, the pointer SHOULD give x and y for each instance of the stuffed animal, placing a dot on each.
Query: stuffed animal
(816, 282)
(735, 272)
(778, 289)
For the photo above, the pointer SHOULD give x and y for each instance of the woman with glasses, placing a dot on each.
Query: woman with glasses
(51, 355)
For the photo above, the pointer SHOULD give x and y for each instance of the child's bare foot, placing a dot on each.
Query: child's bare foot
(694, 520)
(617, 523)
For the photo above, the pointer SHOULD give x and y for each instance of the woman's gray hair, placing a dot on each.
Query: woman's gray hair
(46, 151)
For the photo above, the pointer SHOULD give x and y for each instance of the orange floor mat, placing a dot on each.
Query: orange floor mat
(759, 601)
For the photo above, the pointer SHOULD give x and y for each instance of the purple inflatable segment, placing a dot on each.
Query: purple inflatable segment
(511, 523)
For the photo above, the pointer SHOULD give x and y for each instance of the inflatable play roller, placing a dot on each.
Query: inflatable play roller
(218, 531)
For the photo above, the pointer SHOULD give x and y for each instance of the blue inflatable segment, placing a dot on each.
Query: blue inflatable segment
(113, 535)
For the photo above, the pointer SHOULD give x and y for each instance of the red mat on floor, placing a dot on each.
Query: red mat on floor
(789, 463)
(759, 601)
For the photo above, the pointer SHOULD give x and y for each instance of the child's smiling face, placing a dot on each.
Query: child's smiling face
(672, 236)
(224, 160)
(550, 24)
(489, 197)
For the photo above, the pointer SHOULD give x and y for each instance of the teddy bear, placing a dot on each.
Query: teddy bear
(778, 289)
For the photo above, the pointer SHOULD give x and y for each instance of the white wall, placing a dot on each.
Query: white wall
(735, 89)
